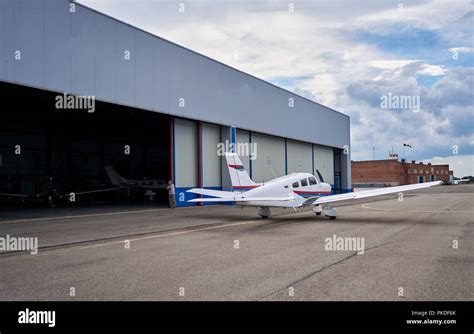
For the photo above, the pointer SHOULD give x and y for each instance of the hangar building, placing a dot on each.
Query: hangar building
(170, 106)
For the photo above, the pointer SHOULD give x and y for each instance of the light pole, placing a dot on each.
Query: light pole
(405, 145)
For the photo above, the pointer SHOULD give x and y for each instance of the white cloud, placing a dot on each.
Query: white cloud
(390, 64)
(432, 70)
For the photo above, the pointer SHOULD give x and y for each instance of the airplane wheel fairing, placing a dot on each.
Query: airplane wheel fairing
(329, 212)
(264, 212)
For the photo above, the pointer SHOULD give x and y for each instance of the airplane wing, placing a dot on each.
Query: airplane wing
(13, 195)
(309, 201)
(464, 180)
(148, 186)
(94, 191)
(374, 192)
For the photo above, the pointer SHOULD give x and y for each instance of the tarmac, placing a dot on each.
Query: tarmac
(421, 248)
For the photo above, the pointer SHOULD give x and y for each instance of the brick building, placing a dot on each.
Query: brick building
(393, 172)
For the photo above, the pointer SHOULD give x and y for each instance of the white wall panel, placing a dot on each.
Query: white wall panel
(211, 162)
(125, 82)
(57, 60)
(270, 155)
(6, 39)
(300, 157)
(106, 59)
(324, 162)
(29, 40)
(185, 151)
(144, 70)
(83, 32)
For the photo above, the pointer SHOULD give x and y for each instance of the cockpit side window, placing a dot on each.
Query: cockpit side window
(296, 184)
(312, 180)
(304, 182)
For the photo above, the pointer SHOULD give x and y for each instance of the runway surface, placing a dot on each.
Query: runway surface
(192, 253)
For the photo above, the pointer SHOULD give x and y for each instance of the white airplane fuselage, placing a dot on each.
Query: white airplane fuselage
(300, 186)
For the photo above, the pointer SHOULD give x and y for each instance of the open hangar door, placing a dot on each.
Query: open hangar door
(66, 150)
(299, 157)
(269, 158)
(324, 163)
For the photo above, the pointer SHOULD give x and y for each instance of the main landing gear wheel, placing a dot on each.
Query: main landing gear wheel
(318, 213)
(332, 217)
(264, 212)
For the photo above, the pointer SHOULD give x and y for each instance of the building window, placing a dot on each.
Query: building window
(304, 182)
(296, 184)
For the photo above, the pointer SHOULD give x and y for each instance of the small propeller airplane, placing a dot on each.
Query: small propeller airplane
(149, 186)
(457, 182)
(294, 191)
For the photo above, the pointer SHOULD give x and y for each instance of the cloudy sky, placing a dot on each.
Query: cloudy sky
(348, 55)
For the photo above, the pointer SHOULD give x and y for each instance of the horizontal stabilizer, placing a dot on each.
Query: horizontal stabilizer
(215, 199)
(250, 199)
(210, 192)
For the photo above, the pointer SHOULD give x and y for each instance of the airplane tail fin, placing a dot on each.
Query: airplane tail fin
(238, 175)
(114, 177)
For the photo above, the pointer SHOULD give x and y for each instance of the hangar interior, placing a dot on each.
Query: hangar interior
(42, 146)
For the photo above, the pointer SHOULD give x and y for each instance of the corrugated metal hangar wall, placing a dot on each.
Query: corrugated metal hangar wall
(59, 46)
